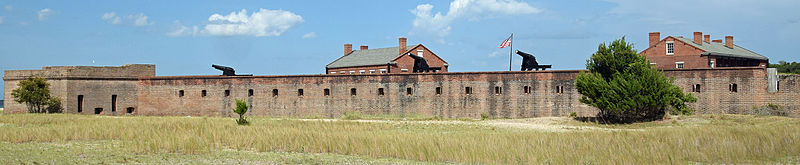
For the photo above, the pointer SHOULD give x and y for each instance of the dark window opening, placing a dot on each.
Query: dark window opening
(438, 90)
(203, 93)
(274, 92)
(180, 93)
(733, 87)
(696, 88)
(559, 89)
(409, 91)
(526, 89)
(250, 92)
(468, 90)
(129, 110)
(352, 91)
(113, 103)
(299, 92)
(498, 90)
(98, 110)
(326, 92)
(380, 92)
(227, 93)
(80, 103)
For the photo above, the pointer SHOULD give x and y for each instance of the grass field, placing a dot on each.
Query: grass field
(64, 138)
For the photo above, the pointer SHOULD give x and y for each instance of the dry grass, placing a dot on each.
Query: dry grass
(708, 138)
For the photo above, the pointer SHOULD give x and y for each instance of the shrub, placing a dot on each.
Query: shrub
(625, 88)
(573, 114)
(484, 116)
(34, 92)
(770, 110)
(241, 109)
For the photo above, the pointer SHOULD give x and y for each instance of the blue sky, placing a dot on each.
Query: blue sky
(301, 37)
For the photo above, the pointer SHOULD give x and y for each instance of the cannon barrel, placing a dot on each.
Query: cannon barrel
(226, 71)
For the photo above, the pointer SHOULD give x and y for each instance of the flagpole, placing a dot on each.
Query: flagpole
(511, 49)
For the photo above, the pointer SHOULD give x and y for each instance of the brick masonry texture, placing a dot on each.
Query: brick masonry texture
(159, 95)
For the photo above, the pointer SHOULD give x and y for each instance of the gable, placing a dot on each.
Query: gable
(415, 48)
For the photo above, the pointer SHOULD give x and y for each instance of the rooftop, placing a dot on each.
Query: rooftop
(369, 57)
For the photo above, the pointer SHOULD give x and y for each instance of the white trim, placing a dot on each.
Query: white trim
(667, 48)
(681, 63)
(404, 70)
(333, 72)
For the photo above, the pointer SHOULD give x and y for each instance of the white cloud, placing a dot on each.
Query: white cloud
(44, 13)
(429, 23)
(112, 18)
(261, 23)
(139, 19)
(310, 35)
(181, 30)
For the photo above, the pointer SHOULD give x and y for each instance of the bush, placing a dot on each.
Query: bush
(626, 89)
(241, 109)
(484, 116)
(573, 114)
(770, 110)
(34, 92)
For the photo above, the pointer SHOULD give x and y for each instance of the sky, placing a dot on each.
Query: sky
(301, 37)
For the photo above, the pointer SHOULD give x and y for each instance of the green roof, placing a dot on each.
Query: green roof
(369, 57)
(719, 49)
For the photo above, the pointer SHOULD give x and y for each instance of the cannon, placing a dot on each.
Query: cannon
(227, 71)
(529, 62)
(420, 64)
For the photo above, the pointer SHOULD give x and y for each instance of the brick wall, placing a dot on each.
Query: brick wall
(690, 55)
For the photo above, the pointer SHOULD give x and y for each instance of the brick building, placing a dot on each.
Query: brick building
(699, 52)
(383, 60)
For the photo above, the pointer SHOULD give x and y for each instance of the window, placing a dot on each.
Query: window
(733, 87)
(129, 110)
(362, 71)
(711, 64)
(180, 93)
(333, 72)
(371, 71)
(468, 90)
(80, 103)
(342, 72)
(274, 92)
(559, 89)
(380, 92)
(498, 90)
(438, 90)
(203, 93)
(679, 65)
(696, 88)
(326, 92)
(250, 92)
(382, 70)
(403, 70)
(98, 110)
(113, 103)
(419, 52)
(227, 93)
(299, 92)
(352, 91)
(670, 48)
(526, 90)
(408, 91)
(652, 64)
(352, 72)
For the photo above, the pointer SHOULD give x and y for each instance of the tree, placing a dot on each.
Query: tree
(786, 67)
(35, 93)
(625, 88)
(241, 109)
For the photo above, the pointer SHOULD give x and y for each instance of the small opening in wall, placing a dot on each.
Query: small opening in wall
(250, 92)
(696, 88)
(380, 92)
(409, 91)
(526, 90)
(98, 110)
(80, 103)
(352, 91)
(274, 92)
(227, 93)
(299, 92)
(733, 87)
(203, 93)
(180, 93)
(468, 90)
(559, 89)
(113, 103)
(326, 92)
(498, 90)
(129, 110)
(438, 90)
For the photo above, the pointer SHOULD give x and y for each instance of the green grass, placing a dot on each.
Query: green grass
(682, 139)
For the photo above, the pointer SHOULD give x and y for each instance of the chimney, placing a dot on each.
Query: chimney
(698, 38)
(654, 38)
(364, 47)
(348, 48)
(729, 41)
(717, 41)
(707, 38)
(402, 44)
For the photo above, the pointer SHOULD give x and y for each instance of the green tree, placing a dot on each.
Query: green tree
(625, 88)
(241, 109)
(35, 93)
(786, 67)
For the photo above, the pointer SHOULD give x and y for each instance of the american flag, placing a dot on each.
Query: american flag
(507, 42)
